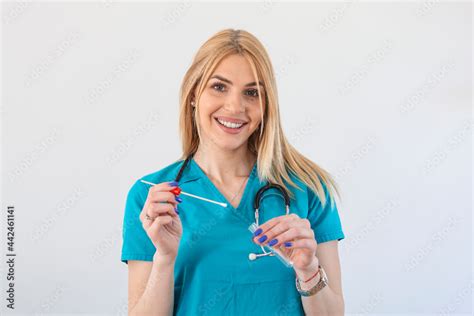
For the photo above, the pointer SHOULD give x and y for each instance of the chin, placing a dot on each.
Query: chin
(229, 145)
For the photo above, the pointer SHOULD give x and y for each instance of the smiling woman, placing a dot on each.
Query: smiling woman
(188, 257)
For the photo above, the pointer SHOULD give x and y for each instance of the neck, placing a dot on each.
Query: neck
(225, 166)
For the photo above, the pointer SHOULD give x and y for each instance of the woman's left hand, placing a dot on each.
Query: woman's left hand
(293, 236)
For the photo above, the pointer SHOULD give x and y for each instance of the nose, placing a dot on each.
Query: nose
(234, 103)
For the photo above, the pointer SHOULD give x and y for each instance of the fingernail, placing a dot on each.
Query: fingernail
(262, 239)
(173, 183)
(272, 242)
(288, 244)
(176, 210)
(178, 199)
(257, 232)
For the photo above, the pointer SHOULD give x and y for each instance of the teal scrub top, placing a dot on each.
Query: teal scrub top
(213, 275)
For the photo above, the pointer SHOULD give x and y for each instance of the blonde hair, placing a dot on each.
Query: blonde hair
(275, 155)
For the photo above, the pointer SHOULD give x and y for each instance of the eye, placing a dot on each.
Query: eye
(253, 93)
(217, 85)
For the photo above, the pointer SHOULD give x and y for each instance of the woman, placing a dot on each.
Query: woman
(187, 256)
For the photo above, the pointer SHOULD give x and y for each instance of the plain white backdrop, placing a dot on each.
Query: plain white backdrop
(378, 94)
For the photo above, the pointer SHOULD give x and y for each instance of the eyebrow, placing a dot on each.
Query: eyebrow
(230, 82)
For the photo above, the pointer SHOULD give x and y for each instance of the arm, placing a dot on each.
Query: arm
(151, 287)
(329, 300)
(151, 284)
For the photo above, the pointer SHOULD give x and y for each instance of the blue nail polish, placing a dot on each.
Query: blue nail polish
(273, 242)
(176, 210)
(262, 239)
(173, 183)
(288, 244)
(257, 232)
(178, 199)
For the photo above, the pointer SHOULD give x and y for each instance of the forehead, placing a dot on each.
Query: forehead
(235, 68)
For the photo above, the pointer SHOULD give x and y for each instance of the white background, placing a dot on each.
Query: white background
(379, 94)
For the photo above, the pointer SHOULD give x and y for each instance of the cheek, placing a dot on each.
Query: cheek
(207, 106)
(210, 97)
(255, 114)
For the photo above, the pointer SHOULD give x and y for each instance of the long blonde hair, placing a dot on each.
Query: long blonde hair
(275, 155)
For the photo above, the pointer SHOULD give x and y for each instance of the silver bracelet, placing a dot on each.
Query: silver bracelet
(315, 289)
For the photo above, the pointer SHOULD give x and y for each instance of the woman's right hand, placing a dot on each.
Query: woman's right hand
(164, 228)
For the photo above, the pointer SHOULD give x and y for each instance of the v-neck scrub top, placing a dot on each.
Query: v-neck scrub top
(212, 274)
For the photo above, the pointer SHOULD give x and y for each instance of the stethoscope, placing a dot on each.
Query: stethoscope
(256, 206)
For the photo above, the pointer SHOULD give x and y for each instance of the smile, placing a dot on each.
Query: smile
(230, 127)
(230, 124)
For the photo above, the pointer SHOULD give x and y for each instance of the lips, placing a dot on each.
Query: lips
(230, 119)
(237, 128)
(229, 129)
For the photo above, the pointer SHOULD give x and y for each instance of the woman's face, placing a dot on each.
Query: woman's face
(229, 105)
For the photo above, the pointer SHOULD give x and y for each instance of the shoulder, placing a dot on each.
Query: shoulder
(305, 193)
(302, 188)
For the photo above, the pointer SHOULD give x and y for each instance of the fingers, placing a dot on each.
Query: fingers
(160, 202)
(154, 195)
(309, 243)
(283, 233)
(284, 229)
(157, 224)
(163, 186)
(161, 193)
(275, 220)
(156, 209)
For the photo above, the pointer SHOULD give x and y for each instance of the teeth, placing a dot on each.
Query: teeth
(230, 124)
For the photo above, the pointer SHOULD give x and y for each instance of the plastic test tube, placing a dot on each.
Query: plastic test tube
(280, 255)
